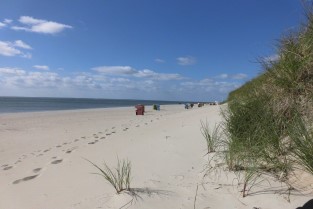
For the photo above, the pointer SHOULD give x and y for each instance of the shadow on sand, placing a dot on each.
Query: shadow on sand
(138, 193)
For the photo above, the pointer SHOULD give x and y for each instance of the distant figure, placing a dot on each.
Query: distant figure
(308, 205)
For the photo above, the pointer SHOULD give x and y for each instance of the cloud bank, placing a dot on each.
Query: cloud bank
(41, 67)
(129, 71)
(112, 82)
(34, 25)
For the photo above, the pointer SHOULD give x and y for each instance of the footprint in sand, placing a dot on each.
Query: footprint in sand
(137, 125)
(7, 168)
(56, 161)
(102, 137)
(5, 165)
(23, 157)
(36, 170)
(58, 146)
(108, 134)
(19, 161)
(100, 132)
(76, 140)
(93, 142)
(27, 178)
(47, 150)
(70, 150)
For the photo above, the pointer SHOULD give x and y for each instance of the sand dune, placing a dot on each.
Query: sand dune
(43, 162)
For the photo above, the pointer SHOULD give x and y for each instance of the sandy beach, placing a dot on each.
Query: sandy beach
(43, 162)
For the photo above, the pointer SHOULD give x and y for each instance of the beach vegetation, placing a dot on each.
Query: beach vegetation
(268, 122)
(212, 137)
(119, 177)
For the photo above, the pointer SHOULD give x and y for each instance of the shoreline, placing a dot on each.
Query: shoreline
(77, 110)
(42, 104)
(64, 111)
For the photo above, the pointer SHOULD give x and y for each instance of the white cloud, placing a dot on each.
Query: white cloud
(12, 71)
(129, 71)
(8, 21)
(146, 73)
(41, 67)
(10, 49)
(27, 55)
(2, 25)
(21, 44)
(27, 20)
(5, 23)
(31, 24)
(159, 60)
(238, 76)
(188, 60)
(14, 78)
(115, 70)
(212, 89)
(143, 84)
(203, 82)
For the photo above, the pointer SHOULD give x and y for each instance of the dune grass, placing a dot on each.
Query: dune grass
(302, 137)
(269, 119)
(119, 177)
(212, 137)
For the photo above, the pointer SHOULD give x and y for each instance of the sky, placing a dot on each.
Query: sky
(179, 50)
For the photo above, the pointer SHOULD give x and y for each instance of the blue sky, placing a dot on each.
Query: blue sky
(195, 50)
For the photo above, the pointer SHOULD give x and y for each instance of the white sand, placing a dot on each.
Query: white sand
(42, 163)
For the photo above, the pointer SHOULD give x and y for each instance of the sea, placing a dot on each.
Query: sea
(38, 104)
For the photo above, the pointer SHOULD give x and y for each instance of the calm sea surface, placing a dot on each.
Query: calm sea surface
(33, 104)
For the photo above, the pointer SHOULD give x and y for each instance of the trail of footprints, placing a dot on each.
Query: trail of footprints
(38, 153)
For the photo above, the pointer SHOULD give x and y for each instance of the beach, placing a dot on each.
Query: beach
(45, 156)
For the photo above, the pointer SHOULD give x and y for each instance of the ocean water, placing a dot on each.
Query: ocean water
(34, 104)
